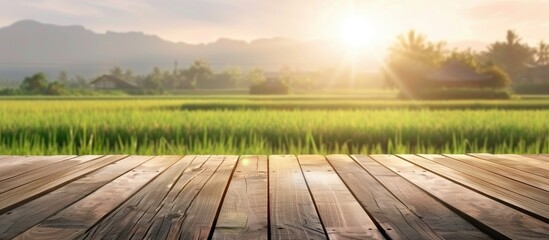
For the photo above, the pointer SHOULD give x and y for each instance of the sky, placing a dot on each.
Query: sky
(203, 21)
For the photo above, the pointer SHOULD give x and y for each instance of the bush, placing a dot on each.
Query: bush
(269, 87)
(9, 92)
(531, 88)
(462, 93)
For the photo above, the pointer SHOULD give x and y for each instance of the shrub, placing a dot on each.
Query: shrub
(459, 93)
(531, 88)
(269, 87)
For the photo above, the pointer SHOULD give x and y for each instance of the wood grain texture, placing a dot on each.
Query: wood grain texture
(199, 219)
(292, 212)
(530, 165)
(22, 194)
(24, 217)
(541, 157)
(342, 216)
(21, 165)
(82, 215)
(508, 172)
(124, 221)
(400, 205)
(494, 218)
(28, 177)
(244, 213)
(492, 185)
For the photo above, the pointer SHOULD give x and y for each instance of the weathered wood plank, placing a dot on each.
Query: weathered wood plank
(244, 213)
(199, 219)
(400, 205)
(495, 179)
(529, 165)
(154, 202)
(292, 212)
(5, 156)
(27, 192)
(342, 216)
(37, 174)
(493, 217)
(21, 165)
(24, 217)
(542, 157)
(488, 185)
(82, 215)
(524, 177)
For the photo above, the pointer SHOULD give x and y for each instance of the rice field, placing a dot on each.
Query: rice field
(232, 125)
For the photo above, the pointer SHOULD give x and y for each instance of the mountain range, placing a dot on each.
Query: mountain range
(28, 46)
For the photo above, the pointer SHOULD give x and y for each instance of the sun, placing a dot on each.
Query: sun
(356, 32)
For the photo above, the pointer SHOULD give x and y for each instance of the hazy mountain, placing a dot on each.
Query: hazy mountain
(28, 46)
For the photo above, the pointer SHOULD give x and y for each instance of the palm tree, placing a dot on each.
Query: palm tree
(542, 54)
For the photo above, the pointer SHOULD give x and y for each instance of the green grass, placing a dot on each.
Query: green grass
(167, 126)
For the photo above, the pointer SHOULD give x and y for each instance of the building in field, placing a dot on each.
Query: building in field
(457, 74)
(109, 82)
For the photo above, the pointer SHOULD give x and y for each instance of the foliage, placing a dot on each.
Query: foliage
(542, 54)
(499, 78)
(512, 55)
(148, 127)
(411, 58)
(459, 93)
(35, 84)
(269, 87)
(531, 88)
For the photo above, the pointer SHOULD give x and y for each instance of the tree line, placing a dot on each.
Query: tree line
(413, 57)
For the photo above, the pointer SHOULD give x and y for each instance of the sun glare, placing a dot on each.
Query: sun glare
(356, 32)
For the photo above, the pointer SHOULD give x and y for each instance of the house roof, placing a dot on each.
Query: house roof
(120, 83)
(454, 71)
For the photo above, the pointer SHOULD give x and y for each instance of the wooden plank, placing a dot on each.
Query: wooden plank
(542, 157)
(244, 212)
(27, 192)
(24, 217)
(176, 216)
(399, 205)
(524, 177)
(37, 174)
(493, 178)
(292, 212)
(5, 156)
(342, 216)
(21, 165)
(82, 215)
(490, 185)
(529, 165)
(123, 222)
(199, 220)
(494, 218)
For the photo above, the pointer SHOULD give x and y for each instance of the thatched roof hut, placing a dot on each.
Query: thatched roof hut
(110, 82)
(457, 73)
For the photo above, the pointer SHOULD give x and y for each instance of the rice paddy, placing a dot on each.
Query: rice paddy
(233, 125)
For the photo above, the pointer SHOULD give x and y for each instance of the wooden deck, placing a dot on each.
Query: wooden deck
(475, 196)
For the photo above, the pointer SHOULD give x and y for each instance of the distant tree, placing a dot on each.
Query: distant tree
(63, 77)
(36, 84)
(542, 54)
(117, 72)
(199, 71)
(411, 58)
(154, 80)
(233, 75)
(511, 55)
(256, 76)
(55, 88)
(500, 79)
